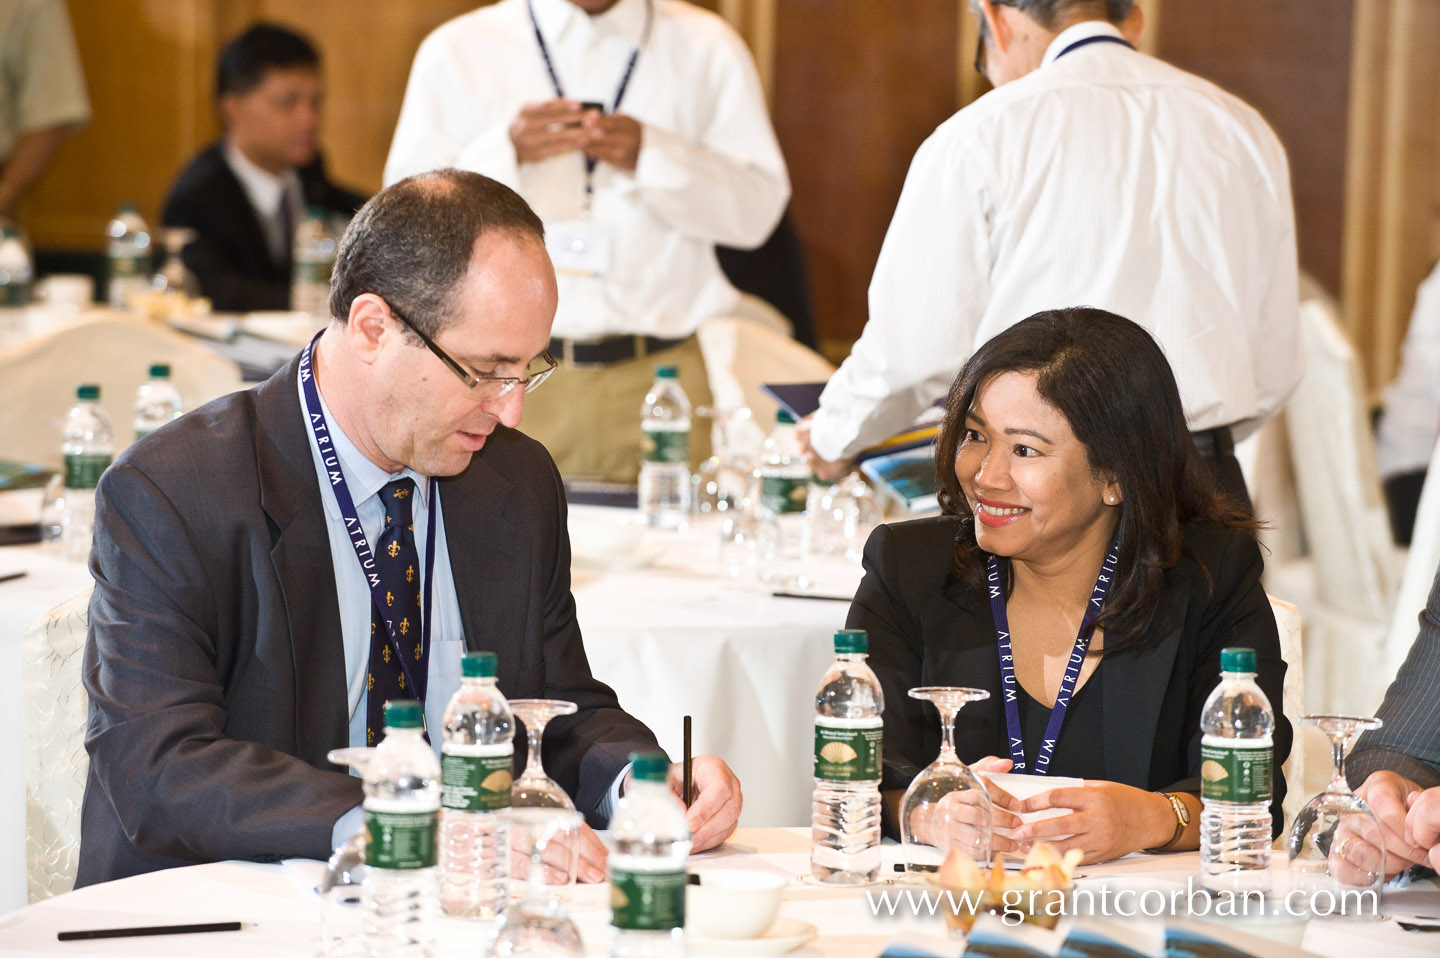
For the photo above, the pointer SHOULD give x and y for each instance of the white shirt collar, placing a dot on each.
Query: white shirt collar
(1080, 31)
(363, 478)
(558, 17)
(264, 188)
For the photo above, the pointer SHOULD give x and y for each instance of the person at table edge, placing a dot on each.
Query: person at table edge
(1064, 439)
(230, 643)
(1396, 768)
(244, 195)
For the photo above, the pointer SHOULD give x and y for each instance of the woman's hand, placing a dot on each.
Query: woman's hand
(956, 821)
(1107, 820)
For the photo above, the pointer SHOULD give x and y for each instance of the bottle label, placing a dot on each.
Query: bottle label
(646, 901)
(142, 433)
(14, 294)
(312, 271)
(1232, 772)
(476, 778)
(82, 470)
(667, 446)
(122, 266)
(848, 753)
(783, 495)
(400, 840)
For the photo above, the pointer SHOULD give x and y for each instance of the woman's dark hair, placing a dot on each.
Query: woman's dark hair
(1111, 382)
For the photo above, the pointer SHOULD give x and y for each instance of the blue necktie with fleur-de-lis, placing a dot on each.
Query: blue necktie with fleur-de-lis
(398, 565)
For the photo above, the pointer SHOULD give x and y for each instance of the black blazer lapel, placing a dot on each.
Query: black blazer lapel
(303, 567)
(1135, 688)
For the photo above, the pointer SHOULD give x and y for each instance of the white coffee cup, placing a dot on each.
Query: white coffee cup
(73, 292)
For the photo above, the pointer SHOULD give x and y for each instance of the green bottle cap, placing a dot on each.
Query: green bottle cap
(851, 642)
(478, 665)
(404, 713)
(9, 232)
(664, 372)
(649, 766)
(159, 370)
(783, 417)
(88, 392)
(1237, 660)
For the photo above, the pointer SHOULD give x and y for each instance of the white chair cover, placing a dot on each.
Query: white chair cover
(1287, 620)
(1353, 564)
(39, 375)
(741, 353)
(56, 710)
(1420, 566)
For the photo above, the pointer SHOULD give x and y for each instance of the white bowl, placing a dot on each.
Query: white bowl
(602, 537)
(733, 903)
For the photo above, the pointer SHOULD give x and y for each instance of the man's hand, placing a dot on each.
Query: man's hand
(823, 468)
(613, 139)
(715, 810)
(1386, 793)
(1107, 820)
(552, 128)
(1422, 822)
(559, 856)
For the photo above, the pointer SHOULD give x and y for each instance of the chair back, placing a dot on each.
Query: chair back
(114, 350)
(741, 353)
(1420, 568)
(56, 763)
(1292, 706)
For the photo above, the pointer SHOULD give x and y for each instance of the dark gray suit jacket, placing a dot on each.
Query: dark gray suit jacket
(926, 628)
(215, 665)
(1409, 741)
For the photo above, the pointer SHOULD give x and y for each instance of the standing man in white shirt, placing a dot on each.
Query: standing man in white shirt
(1092, 175)
(637, 129)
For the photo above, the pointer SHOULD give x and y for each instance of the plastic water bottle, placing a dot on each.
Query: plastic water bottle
(88, 447)
(476, 762)
(1236, 757)
(128, 254)
(402, 807)
(783, 536)
(845, 817)
(156, 402)
(665, 469)
(17, 268)
(314, 255)
(650, 844)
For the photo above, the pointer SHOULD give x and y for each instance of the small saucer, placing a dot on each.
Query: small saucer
(786, 934)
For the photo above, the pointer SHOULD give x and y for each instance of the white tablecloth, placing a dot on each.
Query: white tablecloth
(280, 901)
(48, 582)
(677, 638)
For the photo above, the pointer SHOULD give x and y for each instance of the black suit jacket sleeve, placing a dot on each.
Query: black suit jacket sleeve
(174, 763)
(1409, 741)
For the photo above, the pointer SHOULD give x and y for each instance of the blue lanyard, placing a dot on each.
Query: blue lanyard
(1011, 687)
(1099, 38)
(321, 431)
(590, 161)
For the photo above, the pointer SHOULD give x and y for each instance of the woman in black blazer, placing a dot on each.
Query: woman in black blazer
(1075, 483)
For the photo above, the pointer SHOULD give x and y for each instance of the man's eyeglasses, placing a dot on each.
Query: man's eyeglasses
(486, 388)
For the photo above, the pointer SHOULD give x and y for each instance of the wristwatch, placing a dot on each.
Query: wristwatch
(1182, 818)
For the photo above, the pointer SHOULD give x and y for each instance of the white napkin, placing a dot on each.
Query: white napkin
(1024, 786)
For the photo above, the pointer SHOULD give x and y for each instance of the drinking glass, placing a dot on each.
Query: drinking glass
(843, 515)
(174, 276)
(536, 926)
(946, 807)
(739, 528)
(1335, 842)
(534, 788)
(723, 479)
(341, 911)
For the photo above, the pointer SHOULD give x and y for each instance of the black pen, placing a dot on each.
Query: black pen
(810, 595)
(151, 930)
(12, 576)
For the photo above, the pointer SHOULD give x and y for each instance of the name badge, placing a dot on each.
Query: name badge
(578, 248)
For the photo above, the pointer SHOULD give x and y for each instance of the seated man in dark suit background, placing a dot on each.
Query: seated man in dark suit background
(244, 195)
(235, 637)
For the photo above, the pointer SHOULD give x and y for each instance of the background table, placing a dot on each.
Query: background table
(281, 902)
(676, 637)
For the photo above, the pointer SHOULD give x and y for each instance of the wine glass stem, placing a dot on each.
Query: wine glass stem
(947, 730)
(1337, 757)
(535, 881)
(533, 768)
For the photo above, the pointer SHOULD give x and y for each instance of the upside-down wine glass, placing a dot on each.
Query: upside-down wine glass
(536, 925)
(534, 788)
(946, 807)
(341, 911)
(1335, 843)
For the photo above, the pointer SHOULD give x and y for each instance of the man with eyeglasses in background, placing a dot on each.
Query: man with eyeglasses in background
(1092, 174)
(274, 565)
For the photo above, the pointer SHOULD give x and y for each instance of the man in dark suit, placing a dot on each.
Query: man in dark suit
(236, 629)
(1396, 768)
(244, 195)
